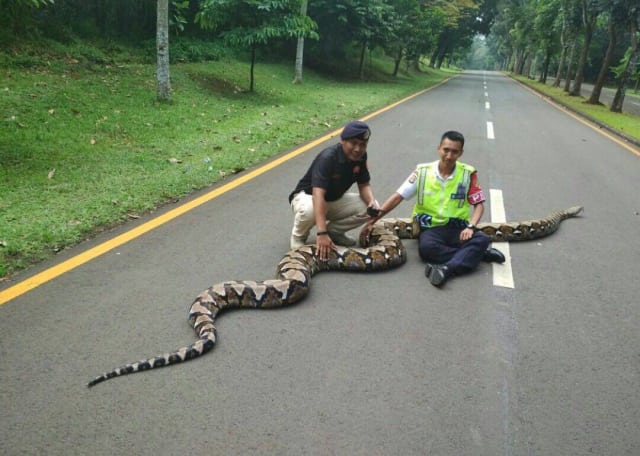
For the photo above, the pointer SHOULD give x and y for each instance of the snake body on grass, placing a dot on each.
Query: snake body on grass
(381, 250)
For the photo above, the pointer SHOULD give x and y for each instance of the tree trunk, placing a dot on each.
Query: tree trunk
(363, 53)
(518, 62)
(396, 63)
(437, 51)
(606, 62)
(563, 53)
(567, 81)
(442, 54)
(528, 64)
(545, 66)
(523, 60)
(297, 79)
(511, 63)
(563, 56)
(162, 51)
(253, 64)
(434, 57)
(618, 99)
(415, 63)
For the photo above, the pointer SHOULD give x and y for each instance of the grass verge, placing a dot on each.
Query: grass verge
(85, 146)
(623, 123)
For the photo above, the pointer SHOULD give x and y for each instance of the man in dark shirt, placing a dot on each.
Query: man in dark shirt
(321, 197)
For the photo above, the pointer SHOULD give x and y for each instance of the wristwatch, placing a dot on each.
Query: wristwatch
(471, 226)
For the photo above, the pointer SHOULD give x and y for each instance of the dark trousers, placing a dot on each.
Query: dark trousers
(441, 245)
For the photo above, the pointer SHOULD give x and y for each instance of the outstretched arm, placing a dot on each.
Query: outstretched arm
(386, 207)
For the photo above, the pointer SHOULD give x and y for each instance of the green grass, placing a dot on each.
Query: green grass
(85, 146)
(625, 123)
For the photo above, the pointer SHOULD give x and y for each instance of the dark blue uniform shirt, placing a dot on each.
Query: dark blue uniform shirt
(332, 171)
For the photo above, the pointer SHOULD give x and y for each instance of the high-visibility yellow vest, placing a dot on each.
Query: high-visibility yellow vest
(437, 202)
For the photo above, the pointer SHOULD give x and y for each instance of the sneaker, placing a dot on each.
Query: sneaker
(342, 239)
(492, 255)
(296, 242)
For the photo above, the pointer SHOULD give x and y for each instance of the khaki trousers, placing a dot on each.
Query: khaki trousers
(344, 214)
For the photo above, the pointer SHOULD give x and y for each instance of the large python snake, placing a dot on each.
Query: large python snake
(381, 249)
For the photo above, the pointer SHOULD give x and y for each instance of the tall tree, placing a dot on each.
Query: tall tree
(568, 22)
(512, 30)
(632, 59)
(414, 27)
(545, 32)
(297, 79)
(590, 12)
(162, 49)
(376, 27)
(254, 23)
(499, 40)
(594, 98)
(570, 67)
(460, 27)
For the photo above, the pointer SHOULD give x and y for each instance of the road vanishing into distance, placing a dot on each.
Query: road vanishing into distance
(539, 356)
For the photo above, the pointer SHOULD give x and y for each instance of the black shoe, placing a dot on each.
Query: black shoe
(427, 270)
(492, 255)
(438, 275)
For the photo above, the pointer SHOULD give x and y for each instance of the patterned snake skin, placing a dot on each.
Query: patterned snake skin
(382, 250)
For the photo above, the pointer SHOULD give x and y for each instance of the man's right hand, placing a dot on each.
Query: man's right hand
(324, 245)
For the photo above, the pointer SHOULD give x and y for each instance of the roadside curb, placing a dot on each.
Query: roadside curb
(623, 136)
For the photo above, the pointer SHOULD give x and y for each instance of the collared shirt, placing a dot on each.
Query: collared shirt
(332, 171)
(408, 189)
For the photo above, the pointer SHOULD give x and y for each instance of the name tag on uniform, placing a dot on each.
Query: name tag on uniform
(460, 194)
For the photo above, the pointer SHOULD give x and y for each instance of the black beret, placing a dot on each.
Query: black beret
(356, 129)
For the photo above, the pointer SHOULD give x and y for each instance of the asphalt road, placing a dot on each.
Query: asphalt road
(367, 364)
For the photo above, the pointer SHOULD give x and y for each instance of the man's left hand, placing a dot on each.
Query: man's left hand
(466, 234)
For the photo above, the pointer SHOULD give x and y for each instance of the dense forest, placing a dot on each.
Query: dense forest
(571, 41)
(406, 29)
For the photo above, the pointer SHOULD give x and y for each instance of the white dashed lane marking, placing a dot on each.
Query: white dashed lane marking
(490, 134)
(502, 273)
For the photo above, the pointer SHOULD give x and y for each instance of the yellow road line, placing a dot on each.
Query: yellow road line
(84, 257)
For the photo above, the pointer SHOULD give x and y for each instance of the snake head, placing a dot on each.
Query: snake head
(574, 211)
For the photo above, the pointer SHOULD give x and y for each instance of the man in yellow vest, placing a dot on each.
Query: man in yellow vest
(449, 203)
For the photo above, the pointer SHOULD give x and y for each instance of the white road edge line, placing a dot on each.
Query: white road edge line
(502, 273)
